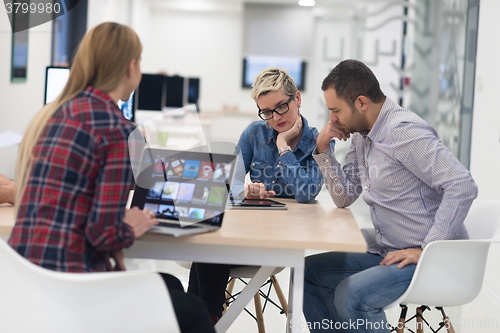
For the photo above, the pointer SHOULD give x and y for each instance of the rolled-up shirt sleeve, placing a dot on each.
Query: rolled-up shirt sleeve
(343, 183)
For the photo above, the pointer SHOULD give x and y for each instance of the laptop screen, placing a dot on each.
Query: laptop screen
(184, 186)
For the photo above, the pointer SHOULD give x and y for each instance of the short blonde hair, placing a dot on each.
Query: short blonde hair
(272, 79)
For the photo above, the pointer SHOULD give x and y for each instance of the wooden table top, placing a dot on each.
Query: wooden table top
(318, 225)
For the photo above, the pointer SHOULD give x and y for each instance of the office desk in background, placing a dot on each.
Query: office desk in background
(267, 238)
(194, 129)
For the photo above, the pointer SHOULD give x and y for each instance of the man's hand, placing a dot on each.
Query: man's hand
(7, 190)
(404, 257)
(330, 131)
(257, 191)
(139, 220)
(284, 138)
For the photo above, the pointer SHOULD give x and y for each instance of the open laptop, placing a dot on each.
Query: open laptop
(187, 190)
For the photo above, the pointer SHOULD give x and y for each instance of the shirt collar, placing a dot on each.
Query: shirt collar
(98, 94)
(382, 117)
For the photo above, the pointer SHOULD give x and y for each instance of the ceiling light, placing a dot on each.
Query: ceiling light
(307, 2)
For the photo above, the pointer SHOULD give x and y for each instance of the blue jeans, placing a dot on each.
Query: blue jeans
(346, 292)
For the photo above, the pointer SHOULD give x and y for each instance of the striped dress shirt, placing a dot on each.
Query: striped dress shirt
(418, 192)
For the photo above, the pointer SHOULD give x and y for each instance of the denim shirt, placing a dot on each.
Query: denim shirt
(292, 175)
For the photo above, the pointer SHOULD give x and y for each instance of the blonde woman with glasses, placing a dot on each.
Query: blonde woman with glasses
(74, 172)
(277, 152)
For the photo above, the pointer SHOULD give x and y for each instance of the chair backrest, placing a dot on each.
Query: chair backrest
(451, 273)
(483, 221)
(34, 299)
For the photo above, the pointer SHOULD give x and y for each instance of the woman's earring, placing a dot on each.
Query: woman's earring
(268, 126)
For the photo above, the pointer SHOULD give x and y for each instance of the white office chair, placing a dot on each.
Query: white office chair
(248, 272)
(34, 299)
(450, 273)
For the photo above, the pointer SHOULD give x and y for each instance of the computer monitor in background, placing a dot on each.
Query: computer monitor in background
(194, 91)
(176, 91)
(128, 107)
(55, 80)
(151, 92)
(253, 65)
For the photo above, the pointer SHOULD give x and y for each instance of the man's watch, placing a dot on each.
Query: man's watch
(284, 150)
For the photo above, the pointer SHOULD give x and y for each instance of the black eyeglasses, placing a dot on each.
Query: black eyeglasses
(280, 109)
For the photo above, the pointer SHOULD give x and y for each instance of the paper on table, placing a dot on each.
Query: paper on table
(10, 138)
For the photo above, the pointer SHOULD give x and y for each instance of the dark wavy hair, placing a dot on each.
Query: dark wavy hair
(352, 78)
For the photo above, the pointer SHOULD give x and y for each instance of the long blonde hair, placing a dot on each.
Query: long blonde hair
(102, 61)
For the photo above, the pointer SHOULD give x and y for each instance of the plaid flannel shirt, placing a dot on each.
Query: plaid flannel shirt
(71, 215)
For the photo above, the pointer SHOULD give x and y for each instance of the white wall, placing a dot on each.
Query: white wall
(200, 44)
(181, 39)
(278, 30)
(485, 150)
(386, 60)
(21, 100)
(209, 41)
(109, 10)
(206, 43)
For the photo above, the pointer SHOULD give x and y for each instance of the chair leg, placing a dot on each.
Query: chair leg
(446, 321)
(280, 294)
(258, 313)
(402, 319)
(259, 316)
(449, 326)
(230, 285)
(229, 291)
(420, 321)
(224, 306)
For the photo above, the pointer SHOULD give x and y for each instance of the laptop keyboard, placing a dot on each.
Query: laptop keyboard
(177, 225)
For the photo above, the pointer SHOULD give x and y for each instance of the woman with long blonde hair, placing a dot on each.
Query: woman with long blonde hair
(74, 172)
